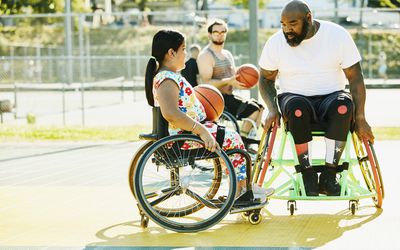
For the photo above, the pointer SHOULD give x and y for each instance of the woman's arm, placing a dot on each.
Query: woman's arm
(168, 96)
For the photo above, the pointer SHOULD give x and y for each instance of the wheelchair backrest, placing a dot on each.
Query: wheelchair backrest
(160, 125)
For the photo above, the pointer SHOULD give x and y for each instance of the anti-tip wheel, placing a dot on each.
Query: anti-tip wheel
(144, 221)
(245, 215)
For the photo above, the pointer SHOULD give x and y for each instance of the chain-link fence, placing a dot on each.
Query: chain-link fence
(110, 51)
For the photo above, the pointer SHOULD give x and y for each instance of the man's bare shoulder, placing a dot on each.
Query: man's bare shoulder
(226, 52)
(205, 55)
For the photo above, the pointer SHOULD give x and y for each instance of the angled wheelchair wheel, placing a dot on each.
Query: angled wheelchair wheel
(370, 169)
(228, 120)
(134, 163)
(182, 186)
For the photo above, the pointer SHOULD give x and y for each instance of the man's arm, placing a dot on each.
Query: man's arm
(205, 63)
(269, 95)
(358, 93)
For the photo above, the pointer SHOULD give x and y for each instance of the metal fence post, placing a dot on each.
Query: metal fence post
(13, 81)
(369, 56)
(138, 70)
(68, 45)
(253, 41)
(88, 59)
(82, 67)
(128, 68)
(50, 63)
(38, 64)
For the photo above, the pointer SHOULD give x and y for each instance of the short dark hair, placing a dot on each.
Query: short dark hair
(216, 22)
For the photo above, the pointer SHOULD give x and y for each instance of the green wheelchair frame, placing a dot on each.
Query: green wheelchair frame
(291, 189)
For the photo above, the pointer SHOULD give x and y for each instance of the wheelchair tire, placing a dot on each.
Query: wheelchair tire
(134, 163)
(228, 120)
(169, 185)
(181, 211)
(370, 169)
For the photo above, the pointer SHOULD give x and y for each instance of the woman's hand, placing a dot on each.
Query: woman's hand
(209, 141)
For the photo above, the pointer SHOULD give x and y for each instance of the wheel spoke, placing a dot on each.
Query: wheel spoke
(200, 199)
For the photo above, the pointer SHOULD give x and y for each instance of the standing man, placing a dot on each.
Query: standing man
(217, 67)
(191, 71)
(313, 59)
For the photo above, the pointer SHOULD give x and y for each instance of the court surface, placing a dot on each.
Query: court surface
(76, 196)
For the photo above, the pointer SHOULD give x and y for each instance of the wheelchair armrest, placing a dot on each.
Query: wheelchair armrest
(149, 137)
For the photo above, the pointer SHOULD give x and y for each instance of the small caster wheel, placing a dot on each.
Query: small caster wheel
(144, 221)
(353, 205)
(291, 207)
(353, 209)
(245, 215)
(255, 218)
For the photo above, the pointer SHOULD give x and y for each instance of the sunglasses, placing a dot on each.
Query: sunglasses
(218, 32)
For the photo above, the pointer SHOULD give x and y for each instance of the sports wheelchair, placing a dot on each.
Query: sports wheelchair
(284, 173)
(184, 187)
(228, 120)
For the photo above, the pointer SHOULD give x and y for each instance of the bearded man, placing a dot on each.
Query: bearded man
(217, 67)
(314, 60)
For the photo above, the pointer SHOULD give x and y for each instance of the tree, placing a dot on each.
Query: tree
(384, 3)
(9, 7)
(245, 3)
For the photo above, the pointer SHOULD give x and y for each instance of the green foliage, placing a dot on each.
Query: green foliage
(389, 42)
(31, 118)
(384, 3)
(111, 41)
(9, 7)
(245, 3)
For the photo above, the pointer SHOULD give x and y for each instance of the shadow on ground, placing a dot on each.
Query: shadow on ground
(300, 231)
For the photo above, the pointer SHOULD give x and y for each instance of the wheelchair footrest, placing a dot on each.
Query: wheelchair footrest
(248, 207)
(321, 168)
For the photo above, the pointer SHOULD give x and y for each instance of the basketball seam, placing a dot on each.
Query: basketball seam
(205, 98)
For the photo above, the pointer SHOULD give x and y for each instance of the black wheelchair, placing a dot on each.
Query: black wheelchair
(183, 187)
(228, 120)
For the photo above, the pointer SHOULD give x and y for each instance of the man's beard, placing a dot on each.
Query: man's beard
(217, 42)
(297, 38)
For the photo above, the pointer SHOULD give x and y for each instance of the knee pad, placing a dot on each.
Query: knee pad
(339, 117)
(298, 114)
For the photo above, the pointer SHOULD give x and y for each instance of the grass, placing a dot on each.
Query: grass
(51, 133)
(124, 133)
(386, 133)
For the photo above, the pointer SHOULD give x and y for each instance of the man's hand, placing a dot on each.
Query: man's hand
(273, 119)
(235, 83)
(363, 130)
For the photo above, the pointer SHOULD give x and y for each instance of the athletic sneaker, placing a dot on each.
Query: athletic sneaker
(328, 184)
(310, 180)
(261, 193)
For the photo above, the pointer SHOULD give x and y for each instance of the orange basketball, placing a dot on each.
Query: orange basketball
(212, 100)
(248, 74)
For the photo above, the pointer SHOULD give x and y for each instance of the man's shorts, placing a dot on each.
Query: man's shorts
(239, 107)
(318, 104)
